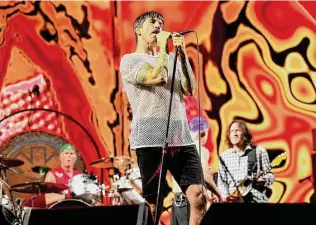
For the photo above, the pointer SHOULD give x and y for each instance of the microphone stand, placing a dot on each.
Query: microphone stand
(162, 173)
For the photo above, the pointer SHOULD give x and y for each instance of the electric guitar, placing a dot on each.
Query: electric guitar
(246, 184)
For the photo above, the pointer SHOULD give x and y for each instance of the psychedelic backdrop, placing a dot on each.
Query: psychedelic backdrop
(59, 75)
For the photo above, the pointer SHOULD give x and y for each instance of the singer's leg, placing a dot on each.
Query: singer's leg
(186, 168)
(149, 160)
(195, 198)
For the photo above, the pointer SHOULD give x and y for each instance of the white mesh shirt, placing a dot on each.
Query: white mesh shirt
(150, 105)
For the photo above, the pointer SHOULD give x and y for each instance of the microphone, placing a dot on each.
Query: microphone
(35, 90)
(182, 32)
(186, 32)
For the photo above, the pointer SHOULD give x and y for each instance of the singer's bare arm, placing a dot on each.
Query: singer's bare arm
(187, 76)
(157, 75)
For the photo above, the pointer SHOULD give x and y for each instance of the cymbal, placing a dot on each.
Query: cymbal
(108, 163)
(7, 163)
(41, 169)
(39, 187)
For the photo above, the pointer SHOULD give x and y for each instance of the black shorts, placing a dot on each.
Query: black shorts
(184, 163)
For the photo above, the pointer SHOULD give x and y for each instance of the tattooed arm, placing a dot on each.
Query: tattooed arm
(148, 75)
(187, 76)
(158, 75)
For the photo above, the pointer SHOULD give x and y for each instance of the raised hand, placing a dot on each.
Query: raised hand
(162, 38)
(178, 41)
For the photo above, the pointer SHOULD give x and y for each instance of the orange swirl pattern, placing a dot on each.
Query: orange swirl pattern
(257, 63)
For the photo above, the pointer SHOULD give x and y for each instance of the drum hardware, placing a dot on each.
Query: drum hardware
(29, 199)
(4, 167)
(112, 171)
(5, 164)
(122, 192)
(69, 203)
(115, 197)
(123, 184)
(114, 161)
(39, 187)
(116, 166)
(123, 179)
(129, 194)
(10, 217)
(21, 208)
(42, 170)
(133, 174)
(103, 189)
(5, 202)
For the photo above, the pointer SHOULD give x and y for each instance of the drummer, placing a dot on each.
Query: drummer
(62, 174)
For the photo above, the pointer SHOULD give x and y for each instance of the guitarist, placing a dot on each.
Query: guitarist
(244, 172)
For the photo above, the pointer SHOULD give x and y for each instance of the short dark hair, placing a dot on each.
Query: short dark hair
(141, 19)
(246, 135)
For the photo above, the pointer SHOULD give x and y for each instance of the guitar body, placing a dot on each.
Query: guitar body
(242, 190)
(246, 185)
(237, 196)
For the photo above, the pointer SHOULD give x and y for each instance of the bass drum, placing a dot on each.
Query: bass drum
(69, 203)
(86, 187)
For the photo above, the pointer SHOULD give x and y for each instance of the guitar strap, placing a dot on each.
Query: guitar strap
(253, 166)
(252, 160)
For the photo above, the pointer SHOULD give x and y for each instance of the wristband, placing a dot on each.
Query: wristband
(67, 196)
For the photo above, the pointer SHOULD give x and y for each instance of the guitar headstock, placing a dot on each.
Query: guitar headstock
(277, 161)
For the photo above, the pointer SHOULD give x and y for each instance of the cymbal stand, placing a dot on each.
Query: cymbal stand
(1, 191)
(4, 180)
(20, 207)
(115, 196)
(101, 186)
(1, 188)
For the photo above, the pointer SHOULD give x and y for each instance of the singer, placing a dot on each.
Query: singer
(146, 75)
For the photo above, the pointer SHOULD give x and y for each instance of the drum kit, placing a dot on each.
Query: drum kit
(125, 182)
(125, 187)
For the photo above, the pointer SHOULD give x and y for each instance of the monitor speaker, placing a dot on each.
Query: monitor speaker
(109, 215)
(260, 214)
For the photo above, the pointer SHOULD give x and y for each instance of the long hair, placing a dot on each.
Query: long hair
(141, 19)
(246, 135)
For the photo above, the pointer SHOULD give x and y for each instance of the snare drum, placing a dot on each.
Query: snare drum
(69, 203)
(85, 187)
